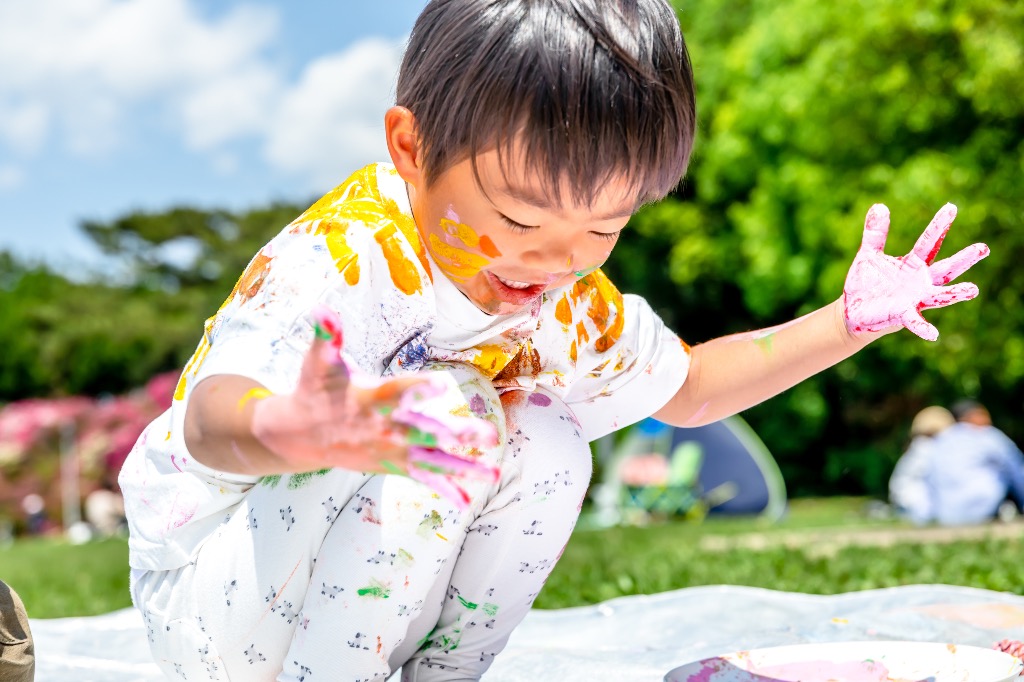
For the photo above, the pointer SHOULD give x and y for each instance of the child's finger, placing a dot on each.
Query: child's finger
(442, 485)
(948, 269)
(450, 433)
(876, 229)
(930, 241)
(913, 321)
(323, 362)
(955, 293)
(438, 462)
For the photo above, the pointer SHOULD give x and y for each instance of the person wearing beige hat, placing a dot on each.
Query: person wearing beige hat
(17, 652)
(908, 487)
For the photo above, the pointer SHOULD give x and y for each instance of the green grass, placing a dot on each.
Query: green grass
(56, 579)
(619, 562)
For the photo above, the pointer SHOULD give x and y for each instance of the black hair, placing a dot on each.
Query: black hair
(590, 90)
(962, 408)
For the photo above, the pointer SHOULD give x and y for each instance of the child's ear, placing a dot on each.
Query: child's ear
(404, 144)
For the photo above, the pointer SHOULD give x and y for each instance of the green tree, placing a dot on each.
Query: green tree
(809, 113)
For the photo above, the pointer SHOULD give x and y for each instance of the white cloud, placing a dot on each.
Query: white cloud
(331, 121)
(83, 64)
(85, 76)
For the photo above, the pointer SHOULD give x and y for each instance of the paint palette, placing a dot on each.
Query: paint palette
(855, 662)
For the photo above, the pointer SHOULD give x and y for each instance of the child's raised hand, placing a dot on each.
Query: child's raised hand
(885, 292)
(338, 417)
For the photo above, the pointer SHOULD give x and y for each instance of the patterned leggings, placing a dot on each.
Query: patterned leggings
(348, 576)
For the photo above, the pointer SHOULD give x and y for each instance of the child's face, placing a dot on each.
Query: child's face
(505, 244)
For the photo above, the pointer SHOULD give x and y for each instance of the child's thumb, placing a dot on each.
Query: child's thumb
(324, 356)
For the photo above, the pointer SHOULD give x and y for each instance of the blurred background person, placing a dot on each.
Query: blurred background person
(104, 509)
(909, 492)
(973, 468)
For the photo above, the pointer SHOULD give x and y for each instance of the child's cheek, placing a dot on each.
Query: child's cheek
(459, 251)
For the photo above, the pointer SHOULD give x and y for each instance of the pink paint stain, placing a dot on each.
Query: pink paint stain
(539, 399)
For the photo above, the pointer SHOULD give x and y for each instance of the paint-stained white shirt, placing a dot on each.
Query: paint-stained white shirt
(357, 250)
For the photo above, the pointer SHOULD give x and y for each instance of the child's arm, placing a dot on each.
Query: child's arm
(882, 294)
(334, 418)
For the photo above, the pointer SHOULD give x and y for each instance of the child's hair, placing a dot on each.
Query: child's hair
(582, 90)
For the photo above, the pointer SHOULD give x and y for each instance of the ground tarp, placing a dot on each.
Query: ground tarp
(623, 640)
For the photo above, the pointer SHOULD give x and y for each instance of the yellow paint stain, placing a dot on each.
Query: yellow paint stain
(257, 393)
(464, 233)
(461, 411)
(563, 313)
(491, 359)
(455, 262)
(573, 352)
(403, 271)
(840, 621)
(194, 363)
(168, 436)
(620, 364)
(441, 536)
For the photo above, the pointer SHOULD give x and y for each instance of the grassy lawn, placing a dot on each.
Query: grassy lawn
(57, 579)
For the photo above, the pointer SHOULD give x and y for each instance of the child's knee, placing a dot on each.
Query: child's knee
(546, 446)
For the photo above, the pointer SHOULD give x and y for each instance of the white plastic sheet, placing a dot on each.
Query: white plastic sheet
(623, 640)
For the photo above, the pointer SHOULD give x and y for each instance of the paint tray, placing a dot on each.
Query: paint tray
(855, 662)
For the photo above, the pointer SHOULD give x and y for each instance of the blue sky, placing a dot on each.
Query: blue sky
(110, 106)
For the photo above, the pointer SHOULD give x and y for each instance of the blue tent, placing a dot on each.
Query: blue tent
(719, 468)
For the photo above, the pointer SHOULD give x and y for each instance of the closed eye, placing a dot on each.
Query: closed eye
(518, 228)
(610, 236)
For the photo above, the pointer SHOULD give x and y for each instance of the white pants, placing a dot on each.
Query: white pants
(348, 576)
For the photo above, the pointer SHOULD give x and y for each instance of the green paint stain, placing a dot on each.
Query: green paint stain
(321, 333)
(422, 438)
(467, 604)
(490, 609)
(404, 558)
(765, 342)
(392, 468)
(296, 481)
(271, 481)
(377, 591)
(430, 524)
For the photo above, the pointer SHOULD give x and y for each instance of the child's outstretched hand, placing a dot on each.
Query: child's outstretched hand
(885, 292)
(338, 417)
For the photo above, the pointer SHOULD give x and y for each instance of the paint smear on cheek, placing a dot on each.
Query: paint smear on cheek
(488, 247)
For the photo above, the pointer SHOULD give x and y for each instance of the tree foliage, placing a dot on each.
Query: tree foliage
(809, 113)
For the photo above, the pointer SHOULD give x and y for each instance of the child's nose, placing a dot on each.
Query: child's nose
(554, 258)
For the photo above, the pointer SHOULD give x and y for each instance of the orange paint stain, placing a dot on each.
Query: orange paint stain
(488, 247)
(581, 333)
(403, 271)
(563, 313)
(573, 352)
(352, 273)
(251, 281)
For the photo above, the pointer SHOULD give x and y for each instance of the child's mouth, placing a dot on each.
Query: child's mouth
(514, 291)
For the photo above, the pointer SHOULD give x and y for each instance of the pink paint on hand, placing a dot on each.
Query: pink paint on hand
(884, 292)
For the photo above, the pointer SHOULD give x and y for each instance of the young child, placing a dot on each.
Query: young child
(271, 537)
